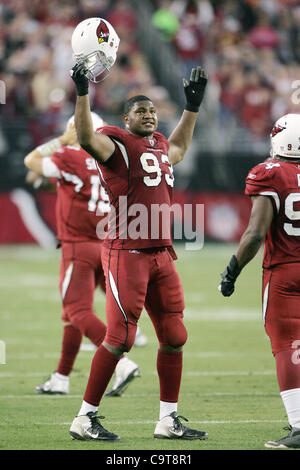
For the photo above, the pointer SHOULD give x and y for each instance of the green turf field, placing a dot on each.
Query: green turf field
(229, 387)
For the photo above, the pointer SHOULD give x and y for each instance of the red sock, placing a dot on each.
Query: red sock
(70, 346)
(169, 368)
(288, 369)
(91, 327)
(102, 369)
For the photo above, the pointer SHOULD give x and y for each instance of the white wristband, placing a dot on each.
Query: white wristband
(49, 148)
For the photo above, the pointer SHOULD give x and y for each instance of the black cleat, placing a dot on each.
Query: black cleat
(170, 427)
(292, 441)
(88, 428)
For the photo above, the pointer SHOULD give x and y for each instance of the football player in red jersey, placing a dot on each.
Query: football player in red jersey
(81, 203)
(135, 166)
(274, 187)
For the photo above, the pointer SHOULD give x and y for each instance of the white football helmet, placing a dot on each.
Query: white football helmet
(285, 137)
(96, 120)
(95, 42)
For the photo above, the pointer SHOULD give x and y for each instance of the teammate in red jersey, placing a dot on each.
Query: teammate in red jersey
(135, 167)
(81, 204)
(274, 187)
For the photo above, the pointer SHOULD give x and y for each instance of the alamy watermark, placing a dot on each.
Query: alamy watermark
(153, 222)
(2, 92)
(2, 352)
(296, 353)
(295, 98)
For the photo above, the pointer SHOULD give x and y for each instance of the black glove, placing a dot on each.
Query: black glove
(229, 277)
(78, 75)
(194, 89)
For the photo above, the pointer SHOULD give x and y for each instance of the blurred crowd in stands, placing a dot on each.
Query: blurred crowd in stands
(250, 49)
(36, 57)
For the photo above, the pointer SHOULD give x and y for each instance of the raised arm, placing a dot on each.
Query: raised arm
(182, 135)
(34, 160)
(99, 146)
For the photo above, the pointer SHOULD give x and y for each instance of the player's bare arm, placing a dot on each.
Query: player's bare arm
(259, 223)
(99, 146)
(34, 160)
(182, 135)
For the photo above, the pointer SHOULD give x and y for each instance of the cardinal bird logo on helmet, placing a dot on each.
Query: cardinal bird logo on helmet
(276, 130)
(102, 32)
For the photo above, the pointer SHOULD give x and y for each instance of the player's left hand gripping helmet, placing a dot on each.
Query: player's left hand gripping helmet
(285, 137)
(95, 42)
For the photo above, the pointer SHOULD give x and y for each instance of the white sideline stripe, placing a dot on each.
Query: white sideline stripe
(195, 297)
(33, 253)
(141, 395)
(42, 296)
(228, 373)
(29, 356)
(190, 315)
(23, 374)
(134, 423)
(220, 315)
(191, 373)
(225, 354)
(29, 280)
(90, 348)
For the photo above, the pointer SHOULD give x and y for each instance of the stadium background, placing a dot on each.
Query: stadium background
(251, 52)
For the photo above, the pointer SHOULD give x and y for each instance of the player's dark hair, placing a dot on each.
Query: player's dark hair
(134, 99)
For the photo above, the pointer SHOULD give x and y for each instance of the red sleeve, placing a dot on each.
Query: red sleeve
(262, 181)
(64, 160)
(262, 178)
(113, 131)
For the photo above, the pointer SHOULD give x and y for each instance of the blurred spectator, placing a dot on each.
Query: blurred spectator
(256, 104)
(250, 48)
(263, 34)
(124, 19)
(165, 21)
(189, 42)
(202, 10)
(36, 57)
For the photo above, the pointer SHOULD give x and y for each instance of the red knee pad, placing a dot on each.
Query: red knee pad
(174, 331)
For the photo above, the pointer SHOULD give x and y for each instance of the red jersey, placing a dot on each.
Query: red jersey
(139, 181)
(280, 180)
(81, 200)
